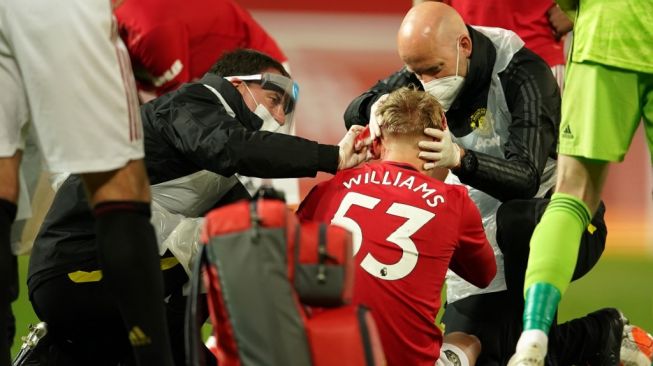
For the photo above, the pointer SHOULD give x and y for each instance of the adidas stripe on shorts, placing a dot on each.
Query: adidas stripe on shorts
(602, 107)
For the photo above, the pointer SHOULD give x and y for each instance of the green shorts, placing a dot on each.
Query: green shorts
(601, 109)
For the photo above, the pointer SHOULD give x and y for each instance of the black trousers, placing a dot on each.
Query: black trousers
(85, 326)
(496, 318)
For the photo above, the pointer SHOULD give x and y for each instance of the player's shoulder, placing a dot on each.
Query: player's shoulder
(319, 199)
(342, 181)
(455, 189)
(325, 187)
(320, 187)
(346, 174)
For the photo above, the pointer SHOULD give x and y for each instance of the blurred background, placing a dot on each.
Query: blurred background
(337, 49)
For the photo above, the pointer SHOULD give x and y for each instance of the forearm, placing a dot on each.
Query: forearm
(212, 140)
(285, 157)
(498, 177)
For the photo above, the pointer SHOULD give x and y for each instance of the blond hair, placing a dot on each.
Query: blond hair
(408, 111)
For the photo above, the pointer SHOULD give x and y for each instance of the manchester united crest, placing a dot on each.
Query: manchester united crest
(481, 122)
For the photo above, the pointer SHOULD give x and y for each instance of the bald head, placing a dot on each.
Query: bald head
(428, 37)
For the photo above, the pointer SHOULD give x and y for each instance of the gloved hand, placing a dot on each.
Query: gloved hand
(442, 152)
(375, 122)
(352, 152)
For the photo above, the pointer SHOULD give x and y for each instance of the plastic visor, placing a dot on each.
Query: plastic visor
(288, 90)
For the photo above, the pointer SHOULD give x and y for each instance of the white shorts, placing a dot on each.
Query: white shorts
(451, 355)
(64, 68)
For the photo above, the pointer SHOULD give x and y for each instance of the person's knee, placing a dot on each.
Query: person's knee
(468, 343)
(464, 340)
(512, 214)
(582, 178)
(129, 183)
(516, 220)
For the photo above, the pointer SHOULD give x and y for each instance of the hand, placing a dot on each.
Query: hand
(442, 152)
(560, 22)
(352, 152)
(375, 123)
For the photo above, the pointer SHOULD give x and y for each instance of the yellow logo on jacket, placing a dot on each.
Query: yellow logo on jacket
(481, 122)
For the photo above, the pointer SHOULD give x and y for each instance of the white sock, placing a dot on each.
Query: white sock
(533, 338)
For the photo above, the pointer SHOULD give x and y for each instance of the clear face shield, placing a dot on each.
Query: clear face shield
(277, 106)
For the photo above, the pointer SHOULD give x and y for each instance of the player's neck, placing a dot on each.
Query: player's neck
(409, 154)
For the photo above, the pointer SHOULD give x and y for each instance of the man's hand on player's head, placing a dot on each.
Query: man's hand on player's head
(352, 152)
(441, 152)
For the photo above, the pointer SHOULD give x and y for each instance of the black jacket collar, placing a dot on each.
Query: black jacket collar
(473, 95)
(234, 99)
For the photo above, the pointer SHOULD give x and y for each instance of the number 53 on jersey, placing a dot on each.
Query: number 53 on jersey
(416, 219)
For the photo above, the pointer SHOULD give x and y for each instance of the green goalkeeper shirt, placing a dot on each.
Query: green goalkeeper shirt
(616, 33)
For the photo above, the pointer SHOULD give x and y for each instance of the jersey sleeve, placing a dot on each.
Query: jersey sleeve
(473, 259)
(161, 57)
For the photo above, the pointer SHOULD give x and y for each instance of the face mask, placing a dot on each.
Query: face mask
(446, 89)
(269, 123)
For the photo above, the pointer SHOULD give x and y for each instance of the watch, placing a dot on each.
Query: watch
(468, 164)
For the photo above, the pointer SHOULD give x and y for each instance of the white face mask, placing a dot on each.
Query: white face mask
(269, 123)
(446, 89)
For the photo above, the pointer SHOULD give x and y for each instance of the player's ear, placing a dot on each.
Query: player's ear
(375, 148)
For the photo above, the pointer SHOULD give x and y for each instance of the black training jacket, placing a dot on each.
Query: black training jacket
(189, 130)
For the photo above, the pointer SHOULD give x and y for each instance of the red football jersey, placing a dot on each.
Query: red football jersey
(407, 228)
(172, 42)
